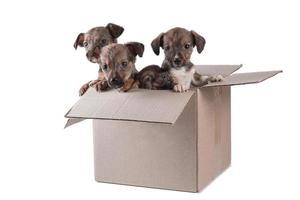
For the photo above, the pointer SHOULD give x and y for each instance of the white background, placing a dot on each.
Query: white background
(41, 74)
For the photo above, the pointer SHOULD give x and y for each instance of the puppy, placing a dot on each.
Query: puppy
(117, 62)
(178, 44)
(154, 78)
(93, 41)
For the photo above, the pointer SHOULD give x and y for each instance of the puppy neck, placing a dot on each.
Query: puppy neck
(166, 65)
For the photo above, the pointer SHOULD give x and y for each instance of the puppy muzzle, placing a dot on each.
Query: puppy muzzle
(91, 56)
(177, 61)
(115, 83)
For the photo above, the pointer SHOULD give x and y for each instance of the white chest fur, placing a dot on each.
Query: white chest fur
(183, 78)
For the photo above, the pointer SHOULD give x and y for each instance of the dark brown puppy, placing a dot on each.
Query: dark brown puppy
(93, 41)
(178, 44)
(154, 78)
(117, 61)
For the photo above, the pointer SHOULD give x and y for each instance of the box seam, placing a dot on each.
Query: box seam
(196, 132)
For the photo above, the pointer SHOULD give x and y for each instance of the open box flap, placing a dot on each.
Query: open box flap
(244, 78)
(224, 70)
(156, 106)
(72, 121)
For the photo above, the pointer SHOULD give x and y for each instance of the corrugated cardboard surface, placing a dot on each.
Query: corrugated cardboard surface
(148, 154)
(161, 106)
(224, 70)
(214, 146)
(185, 143)
(244, 78)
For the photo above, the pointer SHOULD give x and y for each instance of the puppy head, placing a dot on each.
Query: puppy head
(117, 62)
(178, 44)
(98, 37)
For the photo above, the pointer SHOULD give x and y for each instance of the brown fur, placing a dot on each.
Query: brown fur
(154, 78)
(117, 62)
(96, 38)
(178, 44)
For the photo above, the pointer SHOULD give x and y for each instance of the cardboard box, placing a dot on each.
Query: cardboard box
(163, 139)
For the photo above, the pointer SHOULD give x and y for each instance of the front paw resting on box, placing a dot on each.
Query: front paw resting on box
(216, 78)
(99, 85)
(83, 89)
(128, 85)
(181, 88)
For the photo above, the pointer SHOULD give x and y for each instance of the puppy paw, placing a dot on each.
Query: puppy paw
(181, 88)
(123, 89)
(83, 89)
(92, 83)
(217, 78)
(99, 85)
(128, 85)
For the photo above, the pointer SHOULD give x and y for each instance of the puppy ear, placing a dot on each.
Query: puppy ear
(157, 43)
(95, 55)
(79, 40)
(199, 41)
(114, 30)
(135, 48)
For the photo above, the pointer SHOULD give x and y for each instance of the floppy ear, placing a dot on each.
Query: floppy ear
(135, 48)
(114, 30)
(95, 55)
(79, 40)
(199, 41)
(157, 43)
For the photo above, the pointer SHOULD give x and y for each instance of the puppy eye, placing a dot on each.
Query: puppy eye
(85, 43)
(166, 48)
(124, 64)
(103, 41)
(187, 46)
(105, 67)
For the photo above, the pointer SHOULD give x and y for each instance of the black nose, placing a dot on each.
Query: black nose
(115, 81)
(88, 54)
(177, 61)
